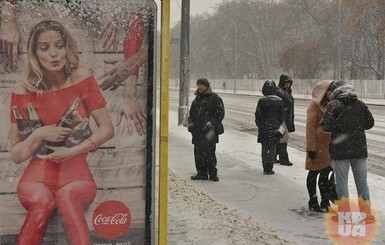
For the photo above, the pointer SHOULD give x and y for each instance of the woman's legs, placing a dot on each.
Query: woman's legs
(311, 184)
(332, 187)
(39, 201)
(323, 184)
(71, 201)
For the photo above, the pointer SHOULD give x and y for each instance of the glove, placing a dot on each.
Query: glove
(190, 126)
(311, 154)
(209, 125)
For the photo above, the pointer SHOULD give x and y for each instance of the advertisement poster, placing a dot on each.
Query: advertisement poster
(76, 121)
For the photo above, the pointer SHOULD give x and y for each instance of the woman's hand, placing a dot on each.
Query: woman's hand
(109, 35)
(52, 133)
(115, 77)
(131, 110)
(121, 70)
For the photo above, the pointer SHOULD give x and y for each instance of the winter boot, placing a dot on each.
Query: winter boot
(202, 175)
(325, 204)
(283, 155)
(314, 206)
(332, 188)
(196, 177)
(213, 174)
(264, 167)
(269, 172)
(324, 190)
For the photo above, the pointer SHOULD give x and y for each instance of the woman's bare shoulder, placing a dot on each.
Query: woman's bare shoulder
(20, 89)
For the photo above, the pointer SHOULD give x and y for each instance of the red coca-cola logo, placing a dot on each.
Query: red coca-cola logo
(111, 219)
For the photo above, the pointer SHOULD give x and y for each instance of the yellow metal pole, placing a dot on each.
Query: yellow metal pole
(164, 124)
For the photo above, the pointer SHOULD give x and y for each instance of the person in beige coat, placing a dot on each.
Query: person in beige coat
(318, 160)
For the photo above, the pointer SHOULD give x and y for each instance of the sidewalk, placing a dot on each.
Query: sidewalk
(245, 206)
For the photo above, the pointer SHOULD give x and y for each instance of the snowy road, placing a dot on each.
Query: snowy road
(279, 201)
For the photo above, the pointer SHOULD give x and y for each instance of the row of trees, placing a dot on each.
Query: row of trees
(309, 39)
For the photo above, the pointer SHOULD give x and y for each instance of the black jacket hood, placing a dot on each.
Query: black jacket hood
(269, 88)
(284, 79)
(345, 94)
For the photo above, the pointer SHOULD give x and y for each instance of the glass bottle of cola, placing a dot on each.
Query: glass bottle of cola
(34, 119)
(79, 133)
(23, 124)
(67, 119)
(35, 122)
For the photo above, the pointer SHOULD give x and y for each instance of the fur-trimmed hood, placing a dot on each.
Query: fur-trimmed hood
(319, 91)
(345, 94)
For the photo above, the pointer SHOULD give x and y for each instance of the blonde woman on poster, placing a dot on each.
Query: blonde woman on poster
(62, 179)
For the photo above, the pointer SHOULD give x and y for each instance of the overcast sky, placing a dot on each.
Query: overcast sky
(196, 7)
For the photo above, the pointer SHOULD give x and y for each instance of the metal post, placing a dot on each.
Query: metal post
(235, 48)
(184, 88)
(339, 41)
(235, 54)
(163, 126)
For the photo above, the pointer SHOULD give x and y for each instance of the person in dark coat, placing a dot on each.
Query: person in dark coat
(347, 118)
(284, 92)
(269, 116)
(205, 124)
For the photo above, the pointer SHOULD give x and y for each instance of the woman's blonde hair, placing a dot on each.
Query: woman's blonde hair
(35, 78)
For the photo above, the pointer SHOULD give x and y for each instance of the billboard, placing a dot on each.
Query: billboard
(77, 121)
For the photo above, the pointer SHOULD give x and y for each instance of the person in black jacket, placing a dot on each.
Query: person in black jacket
(269, 116)
(347, 118)
(205, 124)
(284, 92)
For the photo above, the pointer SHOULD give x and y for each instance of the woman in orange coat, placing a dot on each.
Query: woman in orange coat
(318, 160)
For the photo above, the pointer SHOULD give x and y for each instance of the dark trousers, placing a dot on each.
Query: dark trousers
(325, 184)
(268, 156)
(281, 153)
(205, 158)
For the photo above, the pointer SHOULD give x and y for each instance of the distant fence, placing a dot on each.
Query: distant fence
(365, 89)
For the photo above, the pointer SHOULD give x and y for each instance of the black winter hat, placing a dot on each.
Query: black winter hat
(337, 84)
(203, 81)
